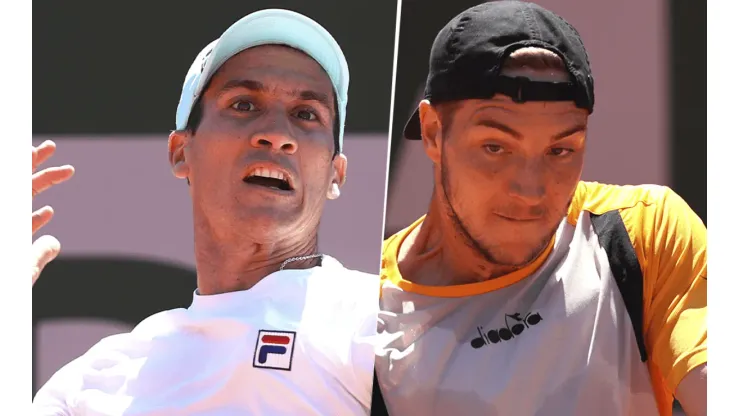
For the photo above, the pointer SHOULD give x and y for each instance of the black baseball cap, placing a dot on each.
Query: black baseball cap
(468, 54)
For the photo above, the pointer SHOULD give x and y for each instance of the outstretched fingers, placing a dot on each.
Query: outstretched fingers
(41, 217)
(49, 177)
(44, 250)
(42, 153)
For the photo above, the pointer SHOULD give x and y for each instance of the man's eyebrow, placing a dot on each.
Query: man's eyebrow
(510, 131)
(242, 83)
(319, 97)
(486, 122)
(571, 131)
(256, 86)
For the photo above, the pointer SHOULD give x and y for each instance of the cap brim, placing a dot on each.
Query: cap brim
(412, 131)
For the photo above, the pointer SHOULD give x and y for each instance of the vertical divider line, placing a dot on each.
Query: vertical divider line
(390, 122)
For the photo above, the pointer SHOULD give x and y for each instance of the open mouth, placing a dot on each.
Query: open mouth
(269, 178)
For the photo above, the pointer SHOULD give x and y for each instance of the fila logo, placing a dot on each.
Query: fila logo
(274, 350)
(494, 336)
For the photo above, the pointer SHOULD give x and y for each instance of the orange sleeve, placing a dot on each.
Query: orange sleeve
(672, 245)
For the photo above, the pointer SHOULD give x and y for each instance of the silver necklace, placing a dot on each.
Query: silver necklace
(299, 258)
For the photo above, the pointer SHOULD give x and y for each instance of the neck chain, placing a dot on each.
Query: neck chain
(299, 258)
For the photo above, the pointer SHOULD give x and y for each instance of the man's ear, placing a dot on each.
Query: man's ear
(431, 130)
(339, 176)
(177, 144)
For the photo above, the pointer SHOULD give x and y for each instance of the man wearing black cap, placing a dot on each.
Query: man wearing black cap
(524, 290)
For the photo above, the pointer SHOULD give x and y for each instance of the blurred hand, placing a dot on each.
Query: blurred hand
(46, 248)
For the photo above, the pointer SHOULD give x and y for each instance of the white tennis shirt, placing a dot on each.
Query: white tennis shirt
(297, 343)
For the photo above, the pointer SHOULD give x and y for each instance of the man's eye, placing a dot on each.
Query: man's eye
(243, 106)
(494, 148)
(306, 115)
(560, 151)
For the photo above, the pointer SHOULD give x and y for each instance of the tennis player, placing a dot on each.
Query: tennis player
(275, 327)
(525, 290)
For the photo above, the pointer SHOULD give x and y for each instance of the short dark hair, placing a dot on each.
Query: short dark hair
(196, 115)
(446, 111)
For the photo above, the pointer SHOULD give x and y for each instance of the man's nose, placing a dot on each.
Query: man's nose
(529, 184)
(276, 135)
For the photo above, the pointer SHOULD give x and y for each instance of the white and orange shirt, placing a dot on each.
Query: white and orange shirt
(297, 343)
(555, 338)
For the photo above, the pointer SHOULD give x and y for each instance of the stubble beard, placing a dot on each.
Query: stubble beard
(480, 247)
